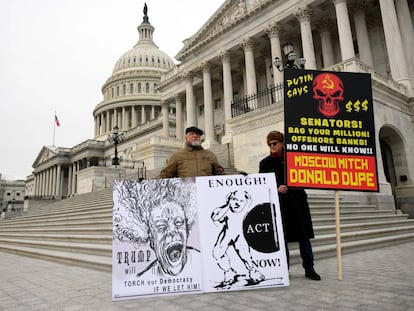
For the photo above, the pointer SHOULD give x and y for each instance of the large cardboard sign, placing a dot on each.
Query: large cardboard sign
(329, 130)
(194, 235)
(241, 232)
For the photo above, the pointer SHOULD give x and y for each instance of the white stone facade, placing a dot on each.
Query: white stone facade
(231, 59)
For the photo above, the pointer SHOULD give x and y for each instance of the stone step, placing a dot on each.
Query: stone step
(61, 221)
(361, 235)
(72, 247)
(70, 209)
(326, 229)
(330, 250)
(78, 230)
(70, 225)
(357, 219)
(350, 213)
(104, 263)
(86, 230)
(101, 263)
(326, 207)
(91, 237)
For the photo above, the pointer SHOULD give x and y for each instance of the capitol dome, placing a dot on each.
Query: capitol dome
(130, 95)
(145, 53)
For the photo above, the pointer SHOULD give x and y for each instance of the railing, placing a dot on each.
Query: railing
(257, 100)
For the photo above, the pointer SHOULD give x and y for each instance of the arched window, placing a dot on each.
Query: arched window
(139, 87)
(155, 87)
(147, 87)
(131, 88)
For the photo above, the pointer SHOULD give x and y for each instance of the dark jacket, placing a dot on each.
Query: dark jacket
(297, 221)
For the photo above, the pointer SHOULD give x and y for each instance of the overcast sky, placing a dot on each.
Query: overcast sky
(55, 55)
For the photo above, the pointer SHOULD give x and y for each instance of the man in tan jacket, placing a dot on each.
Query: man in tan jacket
(193, 160)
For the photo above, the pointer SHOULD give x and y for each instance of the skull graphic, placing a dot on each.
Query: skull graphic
(328, 89)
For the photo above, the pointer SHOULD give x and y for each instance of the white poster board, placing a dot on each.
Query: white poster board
(241, 232)
(193, 235)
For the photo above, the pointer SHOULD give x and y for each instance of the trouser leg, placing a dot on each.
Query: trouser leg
(306, 253)
(287, 253)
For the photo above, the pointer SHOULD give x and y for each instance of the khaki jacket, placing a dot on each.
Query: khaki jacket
(189, 162)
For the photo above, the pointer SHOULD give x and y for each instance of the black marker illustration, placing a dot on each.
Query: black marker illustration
(230, 216)
(161, 214)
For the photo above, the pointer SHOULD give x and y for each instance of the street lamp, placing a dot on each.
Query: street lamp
(291, 57)
(115, 138)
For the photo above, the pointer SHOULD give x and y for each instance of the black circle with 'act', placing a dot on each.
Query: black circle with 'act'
(258, 229)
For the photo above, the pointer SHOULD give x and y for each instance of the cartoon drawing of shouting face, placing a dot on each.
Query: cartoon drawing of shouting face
(168, 231)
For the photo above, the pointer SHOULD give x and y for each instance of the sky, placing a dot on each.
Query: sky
(55, 55)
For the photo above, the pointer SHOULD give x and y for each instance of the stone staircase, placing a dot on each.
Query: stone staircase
(78, 230)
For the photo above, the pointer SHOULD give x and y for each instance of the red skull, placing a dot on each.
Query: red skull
(329, 90)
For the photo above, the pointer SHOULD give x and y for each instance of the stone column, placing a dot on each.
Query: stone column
(179, 121)
(108, 121)
(52, 181)
(208, 106)
(344, 30)
(70, 176)
(48, 182)
(36, 186)
(407, 34)
(227, 93)
(152, 112)
(165, 123)
(114, 120)
(247, 46)
(273, 33)
(44, 191)
(364, 46)
(123, 120)
(393, 40)
(134, 119)
(96, 127)
(59, 181)
(189, 99)
(40, 183)
(143, 115)
(74, 170)
(326, 44)
(303, 16)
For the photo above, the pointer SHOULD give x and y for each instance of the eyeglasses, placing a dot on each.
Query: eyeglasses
(273, 144)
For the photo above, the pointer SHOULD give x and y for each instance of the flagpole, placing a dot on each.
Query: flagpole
(54, 129)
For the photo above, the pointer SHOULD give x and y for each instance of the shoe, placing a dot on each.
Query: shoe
(313, 275)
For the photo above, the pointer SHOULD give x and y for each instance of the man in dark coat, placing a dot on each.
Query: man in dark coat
(297, 221)
(193, 160)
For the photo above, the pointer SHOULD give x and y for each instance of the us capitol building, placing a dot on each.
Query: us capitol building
(226, 66)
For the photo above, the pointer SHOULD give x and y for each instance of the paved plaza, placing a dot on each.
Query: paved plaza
(381, 279)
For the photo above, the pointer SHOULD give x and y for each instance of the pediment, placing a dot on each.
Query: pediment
(228, 15)
(46, 153)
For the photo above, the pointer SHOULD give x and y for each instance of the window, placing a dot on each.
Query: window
(147, 87)
(124, 89)
(117, 90)
(155, 88)
(218, 104)
(139, 87)
(201, 110)
(131, 88)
